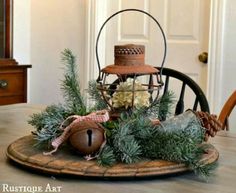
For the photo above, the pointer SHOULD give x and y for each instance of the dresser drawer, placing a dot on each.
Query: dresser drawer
(13, 87)
(11, 83)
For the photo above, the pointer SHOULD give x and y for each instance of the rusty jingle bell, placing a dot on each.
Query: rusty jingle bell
(87, 137)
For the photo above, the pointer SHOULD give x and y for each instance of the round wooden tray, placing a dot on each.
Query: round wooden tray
(67, 162)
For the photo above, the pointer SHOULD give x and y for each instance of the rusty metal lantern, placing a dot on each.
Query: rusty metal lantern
(129, 70)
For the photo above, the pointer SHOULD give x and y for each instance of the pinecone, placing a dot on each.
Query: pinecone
(210, 123)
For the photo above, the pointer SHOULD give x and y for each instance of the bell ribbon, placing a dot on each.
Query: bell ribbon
(98, 116)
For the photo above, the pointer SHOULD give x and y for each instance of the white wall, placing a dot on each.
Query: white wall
(43, 29)
(229, 56)
(22, 32)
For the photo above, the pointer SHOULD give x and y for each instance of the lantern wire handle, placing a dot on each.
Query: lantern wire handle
(137, 10)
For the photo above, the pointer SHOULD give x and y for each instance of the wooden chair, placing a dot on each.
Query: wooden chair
(226, 110)
(200, 98)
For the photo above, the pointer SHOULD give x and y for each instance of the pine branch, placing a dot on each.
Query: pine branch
(49, 118)
(47, 122)
(165, 105)
(125, 145)
(70, 85)
(204, 171)
(135, 138)
(96, 96)
(160, 109)
(176, 140)
(106, 157)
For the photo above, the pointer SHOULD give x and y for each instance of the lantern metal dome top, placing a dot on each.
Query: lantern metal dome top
(129, 59)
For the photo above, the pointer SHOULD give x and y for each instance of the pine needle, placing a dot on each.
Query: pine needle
(96, 96)
(125, 145)
(106, 157)
(70, 85)
(48, 122)
(160, 109)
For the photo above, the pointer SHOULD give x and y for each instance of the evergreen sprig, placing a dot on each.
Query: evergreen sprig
(106, 157)
(135, 138)
(125, 145)
(175, 145)
(96, 96)
(47, 123)
(70, 85)
(204, 171)
(162, 107)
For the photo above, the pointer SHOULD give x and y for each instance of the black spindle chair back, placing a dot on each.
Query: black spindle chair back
(200, 98)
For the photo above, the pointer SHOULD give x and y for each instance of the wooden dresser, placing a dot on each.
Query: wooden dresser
(13, 82)
(13, 77)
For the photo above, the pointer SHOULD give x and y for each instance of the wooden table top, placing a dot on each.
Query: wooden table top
(13, 125)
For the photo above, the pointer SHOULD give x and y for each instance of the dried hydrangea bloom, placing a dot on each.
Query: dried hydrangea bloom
(123, 95)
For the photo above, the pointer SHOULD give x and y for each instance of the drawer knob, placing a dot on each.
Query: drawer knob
(3, 84)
